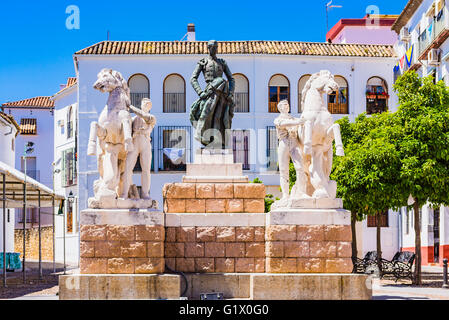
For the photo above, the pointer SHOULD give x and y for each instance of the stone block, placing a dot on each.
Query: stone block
(73, 287)
(225, 234)
(323, 249)
(338, 265)
(93, 265)
(232, 285)
(280, 265)
(281, 232)
(185, 234)
(225, 265)
(122, 217)
(155, 249)
(255, 250)
(204, 265)
(150, 233)
(205, 234)
(214, 249)
(244, 265)
(254, 205)
(120, 265)
(149, 265)
(234, 205)
(185, 264)
(235, 249)
(249, 191)
(356, 287)
(275, 249)
(174, 205)
(120, 233)
(133, 249)
(344, 249)
(170, 234)
(194, 250)
(179, 191)
(310, 265)
(92, 232)
(259, 233)
(244, 234)
(259, 265)
(310, 233)
(170, 264)
(195, 205)
(87, 249)
(205, 191)
(174, 249)
(337, 233)
(309, 217)
(215, 205)
(224, 191)
(296, 249)
(107, 249)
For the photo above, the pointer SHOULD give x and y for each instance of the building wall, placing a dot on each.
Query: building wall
(7, 156)
(258, 70)
(32, 243)
(366, 35)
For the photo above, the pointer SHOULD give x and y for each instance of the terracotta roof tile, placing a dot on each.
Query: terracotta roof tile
(238, 47)
(42, 102)
(10, 119)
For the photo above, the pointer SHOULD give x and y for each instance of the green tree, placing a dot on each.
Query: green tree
(368, 175)
(423, 144)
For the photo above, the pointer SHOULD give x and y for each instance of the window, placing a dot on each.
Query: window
(68, 168)
(372, 220)
(174, 94)
(240, 147)
(137, 167)
(139, 87)
(272, 149)
(31, 170)
(301, 84)
(174, 148)
(69, 124)
(376, 95)
(338, 101)
(278, 90)
(28, 126)
(241, 94)
(32, 215)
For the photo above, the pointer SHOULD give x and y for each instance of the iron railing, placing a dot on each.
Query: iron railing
(136, 98)
(240, 147)
(174, 102)
(241, 102)
(272, 149)
(426, 38)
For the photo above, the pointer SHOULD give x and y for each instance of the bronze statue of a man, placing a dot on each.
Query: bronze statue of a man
(215, 107)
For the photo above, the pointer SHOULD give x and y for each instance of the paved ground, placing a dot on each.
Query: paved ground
(47, 287)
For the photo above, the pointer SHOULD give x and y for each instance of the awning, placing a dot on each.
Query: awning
(14, 187)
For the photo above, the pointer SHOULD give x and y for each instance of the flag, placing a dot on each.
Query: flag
(401, 62)
(409, 56)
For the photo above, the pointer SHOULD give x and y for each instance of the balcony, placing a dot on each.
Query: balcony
(241, 102)
(136, 98)
(174, 102)
(434, 39)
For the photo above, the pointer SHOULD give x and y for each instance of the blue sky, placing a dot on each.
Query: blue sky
(37, 48)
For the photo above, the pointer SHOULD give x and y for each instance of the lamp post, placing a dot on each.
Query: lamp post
(71, 199)
(28, 149)
(53, 214)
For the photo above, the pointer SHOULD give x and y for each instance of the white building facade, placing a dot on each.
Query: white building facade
(423, 29)
(65, 171)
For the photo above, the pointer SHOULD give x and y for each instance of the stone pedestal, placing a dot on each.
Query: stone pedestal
(121, 241)
(308, 241)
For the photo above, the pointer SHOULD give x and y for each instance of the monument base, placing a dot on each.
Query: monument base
(119, 287)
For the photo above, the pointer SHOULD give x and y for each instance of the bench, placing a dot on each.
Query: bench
(361, 265)
(400, 266)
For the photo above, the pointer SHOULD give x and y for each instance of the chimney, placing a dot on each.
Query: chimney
(191, 32)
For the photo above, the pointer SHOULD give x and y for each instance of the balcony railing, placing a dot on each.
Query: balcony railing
(338, 108)
(241, 102)
(136, 98)
(174, 102)
(426, 40)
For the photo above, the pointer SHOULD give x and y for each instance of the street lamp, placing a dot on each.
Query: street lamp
(54, 171)
(71, 199)
(28, 149)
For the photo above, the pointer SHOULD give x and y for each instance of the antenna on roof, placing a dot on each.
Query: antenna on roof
(328, 7)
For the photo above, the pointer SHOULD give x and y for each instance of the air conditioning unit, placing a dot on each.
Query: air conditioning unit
(405, 35)
(433, 57)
